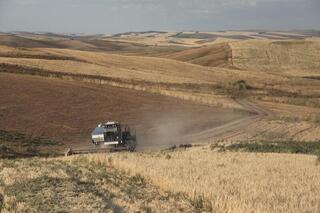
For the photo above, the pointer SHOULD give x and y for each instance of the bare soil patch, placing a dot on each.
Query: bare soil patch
(67, 111)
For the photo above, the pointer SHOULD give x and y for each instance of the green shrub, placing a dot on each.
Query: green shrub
(236, 89)
(240, 85)
(277, 147)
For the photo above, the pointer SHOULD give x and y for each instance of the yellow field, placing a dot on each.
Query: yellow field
(132, 67)
(77, 185)
(230, 182)
(276, 55)
(198, 179)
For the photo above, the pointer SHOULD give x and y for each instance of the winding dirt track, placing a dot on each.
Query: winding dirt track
(232, 128)
(217, 133)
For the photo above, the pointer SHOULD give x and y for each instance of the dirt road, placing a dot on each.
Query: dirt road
(232, 128)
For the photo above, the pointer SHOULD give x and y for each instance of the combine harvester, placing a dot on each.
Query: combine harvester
(108, 137)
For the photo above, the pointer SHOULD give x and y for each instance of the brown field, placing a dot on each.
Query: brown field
(44, 110)
(253, 91)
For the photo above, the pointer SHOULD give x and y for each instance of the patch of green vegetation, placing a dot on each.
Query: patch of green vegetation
(313, 118)
(16, 145)
(274, 147)
(296, 99)
(235, 89)
(174, 147)
(24, 140)
(196, 35)
(6, 151)
(240, 85)
(291, 43)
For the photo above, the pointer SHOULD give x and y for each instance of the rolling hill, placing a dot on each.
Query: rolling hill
(225, 121)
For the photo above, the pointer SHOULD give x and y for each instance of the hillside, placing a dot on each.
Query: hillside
(171, 77)
(77, 185)
(225, 121)
(66, 112)
(198, 39)
(88, 43)
(239, 182)
(276, 55)
(164, 76)
(217, 55)
(194, 180)
(259, 55)
(127, 67)
(290, 95)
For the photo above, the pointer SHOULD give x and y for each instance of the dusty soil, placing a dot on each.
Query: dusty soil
(67, 111)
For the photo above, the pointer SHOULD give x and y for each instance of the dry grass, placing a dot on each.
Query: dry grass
(231, 182)
(276, 55)
(136, 68)
(79, 185)
(194, 180)
(217, 55)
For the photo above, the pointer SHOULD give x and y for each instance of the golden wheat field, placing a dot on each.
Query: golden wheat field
(78, 185)
(229, 182)
(198, 179)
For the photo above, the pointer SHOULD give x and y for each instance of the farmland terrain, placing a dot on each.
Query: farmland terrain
(200, 103)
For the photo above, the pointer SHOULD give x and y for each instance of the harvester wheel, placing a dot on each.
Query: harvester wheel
(131, 145)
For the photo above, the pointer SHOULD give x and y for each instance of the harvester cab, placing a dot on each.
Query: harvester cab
(113, 134)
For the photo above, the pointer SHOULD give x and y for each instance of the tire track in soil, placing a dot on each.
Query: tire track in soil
(232, 128)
